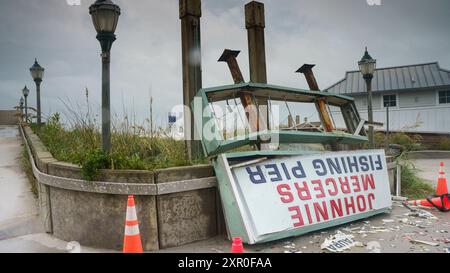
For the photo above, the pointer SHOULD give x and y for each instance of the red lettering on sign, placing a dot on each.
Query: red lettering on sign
(286, 195)
(332, 181)
(303, 192)
(318, 188)
(350, 204)
(308, 213)
(336, 208)
(370, 198)
(355, 183)
(368, 180)
(361, 202)
(321, 211)
(297, 216)
(345, 187)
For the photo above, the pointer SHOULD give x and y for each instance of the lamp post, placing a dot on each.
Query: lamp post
(37, 72)
(105, 16)
(26, 92)
(367, 66)
(21, 101)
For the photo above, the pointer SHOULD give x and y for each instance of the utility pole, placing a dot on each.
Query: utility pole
(387, 128)
(190, 14)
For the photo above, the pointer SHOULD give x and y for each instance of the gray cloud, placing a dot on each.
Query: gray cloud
(147, 54)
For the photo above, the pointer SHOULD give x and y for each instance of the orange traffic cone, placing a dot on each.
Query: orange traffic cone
(442, 203)
(132, 242)
(442, 186)
(237, 246)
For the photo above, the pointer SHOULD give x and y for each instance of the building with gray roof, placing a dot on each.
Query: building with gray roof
(418, 97)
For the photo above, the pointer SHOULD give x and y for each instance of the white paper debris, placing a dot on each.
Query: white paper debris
(424, 242)
(422, 214)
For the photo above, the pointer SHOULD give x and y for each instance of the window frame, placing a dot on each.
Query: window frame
(390, 106)
(446, 96)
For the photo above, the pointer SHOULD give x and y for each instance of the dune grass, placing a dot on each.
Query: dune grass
(132, 147)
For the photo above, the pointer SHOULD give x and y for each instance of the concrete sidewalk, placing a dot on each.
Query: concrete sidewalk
(18, 206)
(21, 230)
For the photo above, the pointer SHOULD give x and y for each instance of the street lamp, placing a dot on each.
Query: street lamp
(367, 65)
(21, 102)
(26, 92)
(37, 72)
(105, 16)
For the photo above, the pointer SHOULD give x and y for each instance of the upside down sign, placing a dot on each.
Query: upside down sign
(299, 192)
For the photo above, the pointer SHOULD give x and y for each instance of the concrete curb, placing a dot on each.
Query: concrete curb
(428, 155)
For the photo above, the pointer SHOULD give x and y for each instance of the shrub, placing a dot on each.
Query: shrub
(413, 186)
(410, 143)
(444, 144)
(94, 161)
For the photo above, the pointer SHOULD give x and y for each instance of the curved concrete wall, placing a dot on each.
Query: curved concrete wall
(175, 206)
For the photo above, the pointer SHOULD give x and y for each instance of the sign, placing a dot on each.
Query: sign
(172, 118)
(296, 194)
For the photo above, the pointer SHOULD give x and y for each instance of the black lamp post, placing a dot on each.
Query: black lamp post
(37, 72)
(105, 16)
(367, 65)
(26, 92)
(21, 101)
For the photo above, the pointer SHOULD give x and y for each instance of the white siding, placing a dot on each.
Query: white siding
(361, 102)
(417, 99)
(424, 119)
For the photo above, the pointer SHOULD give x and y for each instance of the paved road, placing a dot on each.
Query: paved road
(429, 169)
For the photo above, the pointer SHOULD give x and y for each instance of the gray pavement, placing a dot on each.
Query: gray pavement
(22, 231)
(18, 206)
(392, 232)
(429, 168)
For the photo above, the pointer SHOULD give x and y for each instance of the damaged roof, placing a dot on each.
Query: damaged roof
(416, 76)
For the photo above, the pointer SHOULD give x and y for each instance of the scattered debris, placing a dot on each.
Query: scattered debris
(423, 242)
(374, 230)
(422, 214)
(351, 229)
(293, 251)
(399, 198)
(339, 242)
(388, 221)
(447, 250)
(289, 246)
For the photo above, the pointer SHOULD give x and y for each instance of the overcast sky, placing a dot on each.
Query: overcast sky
(147, 53)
